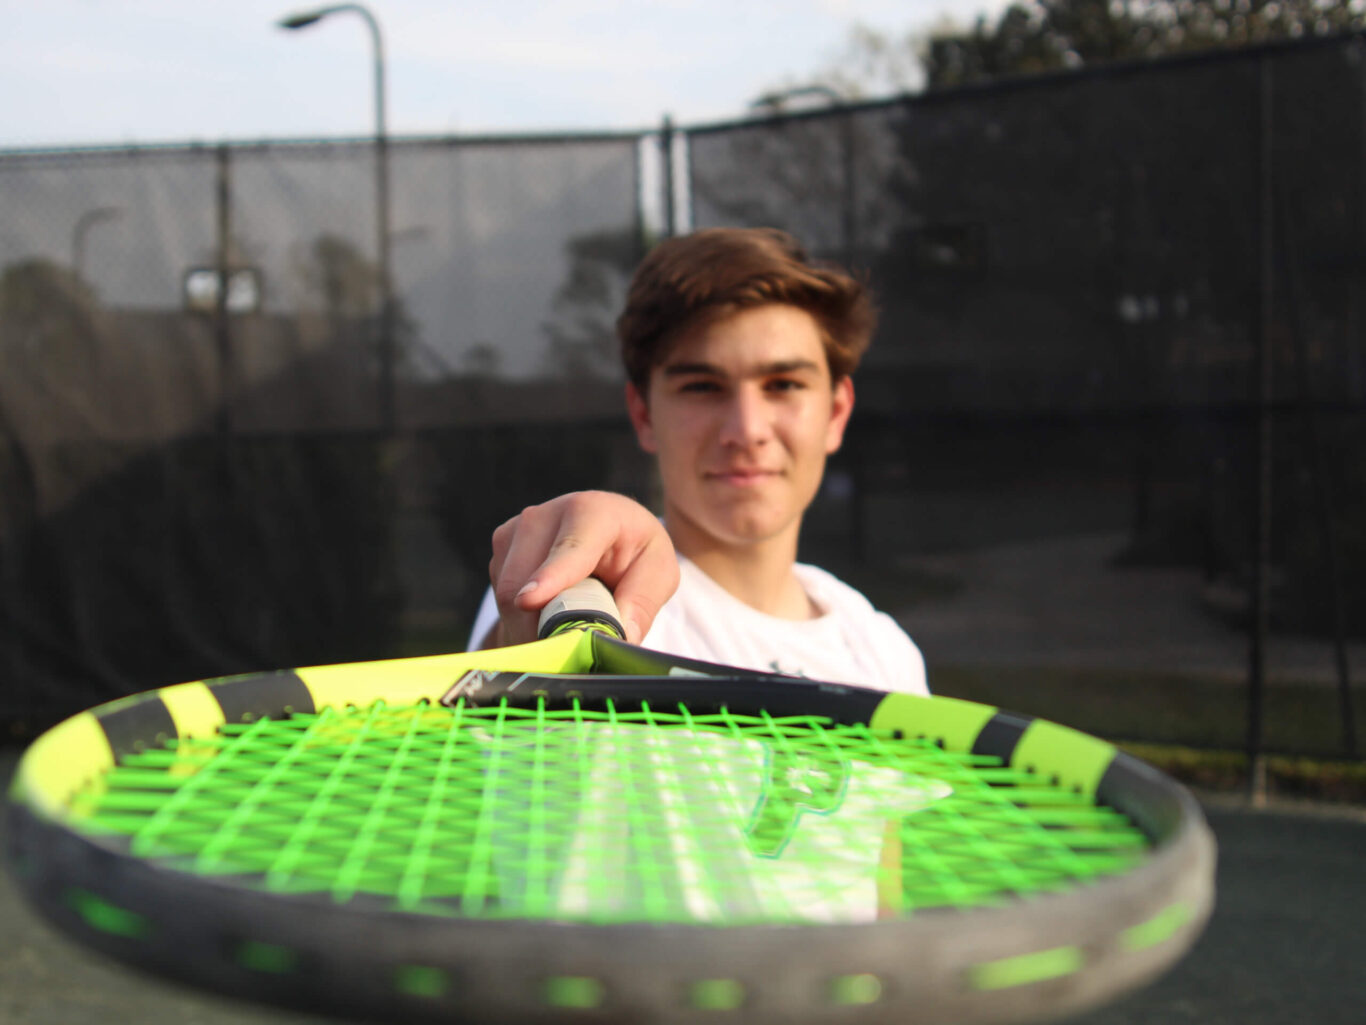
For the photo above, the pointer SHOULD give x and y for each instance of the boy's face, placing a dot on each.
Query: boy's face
(741, 415)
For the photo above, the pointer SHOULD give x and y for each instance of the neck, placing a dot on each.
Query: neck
(757, 573)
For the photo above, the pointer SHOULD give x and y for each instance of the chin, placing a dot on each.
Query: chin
(739, 519)
(743, 530)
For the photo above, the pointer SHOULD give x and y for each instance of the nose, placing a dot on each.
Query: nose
(747, 421)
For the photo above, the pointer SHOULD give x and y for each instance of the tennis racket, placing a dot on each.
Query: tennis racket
(583, 830)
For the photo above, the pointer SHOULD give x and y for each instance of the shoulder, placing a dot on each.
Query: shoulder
(840, 601)
(876, 634)
(832, 593)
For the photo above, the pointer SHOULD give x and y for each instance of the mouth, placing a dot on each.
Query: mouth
(742, 477)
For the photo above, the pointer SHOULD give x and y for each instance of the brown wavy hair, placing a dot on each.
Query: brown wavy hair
(693, 279)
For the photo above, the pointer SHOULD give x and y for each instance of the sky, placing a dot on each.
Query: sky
(125, 72)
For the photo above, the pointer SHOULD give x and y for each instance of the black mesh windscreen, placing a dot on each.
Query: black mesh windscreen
(1108, 300)
(1057, 434)
(196, 481)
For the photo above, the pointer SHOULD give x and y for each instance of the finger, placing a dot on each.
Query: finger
(588, 541)
(520, 550)
(519, 547)
(503, 537)
(649, 581)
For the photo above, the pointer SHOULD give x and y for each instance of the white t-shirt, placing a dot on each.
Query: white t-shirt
(850, 642)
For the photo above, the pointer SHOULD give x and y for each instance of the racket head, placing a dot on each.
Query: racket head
(1029, 956)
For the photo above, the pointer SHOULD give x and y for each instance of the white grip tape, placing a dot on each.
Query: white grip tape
(590, 597)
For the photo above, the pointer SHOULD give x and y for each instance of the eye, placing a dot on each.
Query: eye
(699, 386)
(784, 384)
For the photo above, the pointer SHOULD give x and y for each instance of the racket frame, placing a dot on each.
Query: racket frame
(1047, 954)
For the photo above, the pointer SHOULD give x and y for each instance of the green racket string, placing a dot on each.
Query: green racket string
(1011, 836)
(614, 815)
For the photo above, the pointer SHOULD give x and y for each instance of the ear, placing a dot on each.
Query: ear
(841, 406)
(638, 408)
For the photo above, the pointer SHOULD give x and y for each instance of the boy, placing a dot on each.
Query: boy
(739, 354)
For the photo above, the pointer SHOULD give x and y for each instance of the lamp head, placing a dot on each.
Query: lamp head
(301, 20)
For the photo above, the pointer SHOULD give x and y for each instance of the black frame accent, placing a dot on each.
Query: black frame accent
(244, 698)
(1001, 735)
(130, 727)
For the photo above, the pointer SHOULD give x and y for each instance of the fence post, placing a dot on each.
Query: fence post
(848, 199)
(1262, 474)
(227, 385)
(666, 146)
(1318, 470)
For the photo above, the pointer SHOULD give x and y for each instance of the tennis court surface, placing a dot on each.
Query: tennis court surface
(1286, 945)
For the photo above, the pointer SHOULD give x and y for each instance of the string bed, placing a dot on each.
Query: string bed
(650, 815)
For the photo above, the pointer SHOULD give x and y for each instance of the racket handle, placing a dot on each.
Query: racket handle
(584, 604)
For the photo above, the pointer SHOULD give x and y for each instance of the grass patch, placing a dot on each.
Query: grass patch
(1286, 776)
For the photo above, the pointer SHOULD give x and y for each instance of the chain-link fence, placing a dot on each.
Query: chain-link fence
(1107, 462)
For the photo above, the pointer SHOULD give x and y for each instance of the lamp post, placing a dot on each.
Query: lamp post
(82, 228)
(773, 103)
(383, 240)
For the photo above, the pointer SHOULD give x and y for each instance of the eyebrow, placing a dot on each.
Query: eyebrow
(782, 366)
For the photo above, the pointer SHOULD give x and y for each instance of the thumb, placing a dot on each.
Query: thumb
(647, 584)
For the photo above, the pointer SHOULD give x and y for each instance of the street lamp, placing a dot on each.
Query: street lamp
(772, 102)
(82, 228)
(383, 240)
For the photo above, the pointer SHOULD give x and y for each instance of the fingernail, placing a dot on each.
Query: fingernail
(527, 588)
(632, 630)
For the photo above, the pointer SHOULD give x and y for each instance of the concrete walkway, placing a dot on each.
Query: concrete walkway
(1060, 602)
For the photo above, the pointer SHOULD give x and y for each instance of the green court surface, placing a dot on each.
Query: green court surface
(1286, 944)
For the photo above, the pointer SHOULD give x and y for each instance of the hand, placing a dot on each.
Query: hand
(549, 547)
